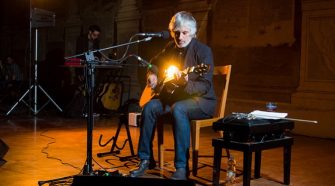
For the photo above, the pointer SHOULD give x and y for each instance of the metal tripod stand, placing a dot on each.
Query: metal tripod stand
(34, 88)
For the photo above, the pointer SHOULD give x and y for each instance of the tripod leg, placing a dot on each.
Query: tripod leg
(46, 94)
(19, 100)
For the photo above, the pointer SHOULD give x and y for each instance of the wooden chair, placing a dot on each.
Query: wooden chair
(196, 125)
(223, 71)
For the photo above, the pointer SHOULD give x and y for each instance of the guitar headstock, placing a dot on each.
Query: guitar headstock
(201, 69)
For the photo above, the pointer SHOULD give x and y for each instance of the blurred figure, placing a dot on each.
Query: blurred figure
(90, 41)
(85, 42)
(2, 76)
(11, 78)
(2, 70)
(13, 72)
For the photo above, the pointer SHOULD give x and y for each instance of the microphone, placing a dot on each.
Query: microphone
(163, 34)
(151, 67)
(144, 62)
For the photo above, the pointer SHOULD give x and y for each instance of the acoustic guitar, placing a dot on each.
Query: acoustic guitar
(110, 96)
(168, 86)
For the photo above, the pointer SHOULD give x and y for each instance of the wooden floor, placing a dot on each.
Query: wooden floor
(49, 146)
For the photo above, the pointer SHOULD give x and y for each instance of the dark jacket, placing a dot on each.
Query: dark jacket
(198, 87)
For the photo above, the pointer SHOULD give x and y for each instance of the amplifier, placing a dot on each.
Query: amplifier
(134, 119)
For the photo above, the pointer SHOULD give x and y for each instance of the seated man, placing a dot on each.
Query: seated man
(193, 99)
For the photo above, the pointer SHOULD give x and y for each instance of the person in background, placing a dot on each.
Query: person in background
(2, 76)
(194, 99)
(85, 43)
(90, 41)
(13, 72)
(77, 107)
(2, 70)
(12, 78)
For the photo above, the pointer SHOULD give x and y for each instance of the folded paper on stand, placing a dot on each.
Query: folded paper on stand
(268, 115)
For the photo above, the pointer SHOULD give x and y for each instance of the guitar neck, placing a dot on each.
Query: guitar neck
(188, 70)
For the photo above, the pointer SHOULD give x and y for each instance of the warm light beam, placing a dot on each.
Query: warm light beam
(171, 72)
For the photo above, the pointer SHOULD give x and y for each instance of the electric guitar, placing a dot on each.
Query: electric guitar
(168, 86)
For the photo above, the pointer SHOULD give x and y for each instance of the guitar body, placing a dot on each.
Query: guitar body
(111, 96)
(164, 91)
(147, 94)
(167, 88)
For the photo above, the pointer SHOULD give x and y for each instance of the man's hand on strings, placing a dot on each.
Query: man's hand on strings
(181, 78)
(152, 80)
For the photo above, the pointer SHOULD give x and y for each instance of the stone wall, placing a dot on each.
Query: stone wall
(281, 51)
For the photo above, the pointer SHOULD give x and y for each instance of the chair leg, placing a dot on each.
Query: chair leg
(195, 148)
(195, 157)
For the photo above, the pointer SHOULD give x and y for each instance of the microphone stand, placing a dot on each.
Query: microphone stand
(111, 47)
(90, 84)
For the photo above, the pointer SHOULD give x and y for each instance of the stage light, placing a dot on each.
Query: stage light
(171, 72)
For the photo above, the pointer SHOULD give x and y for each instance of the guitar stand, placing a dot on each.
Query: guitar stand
(123, 120)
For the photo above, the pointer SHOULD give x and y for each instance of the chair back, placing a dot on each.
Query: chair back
(222, 71)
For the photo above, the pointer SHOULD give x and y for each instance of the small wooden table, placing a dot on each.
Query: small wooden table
(247, 148)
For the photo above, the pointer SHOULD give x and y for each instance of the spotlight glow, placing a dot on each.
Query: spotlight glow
(171, 71)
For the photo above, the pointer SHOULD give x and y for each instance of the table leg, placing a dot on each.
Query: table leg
(287, 164)
(247, 167)
(217, 165)
(258, 161)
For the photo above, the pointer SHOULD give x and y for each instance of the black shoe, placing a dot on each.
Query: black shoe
(180, 174)
(142, 167)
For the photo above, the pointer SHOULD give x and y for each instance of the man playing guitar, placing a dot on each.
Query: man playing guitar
(194, 97)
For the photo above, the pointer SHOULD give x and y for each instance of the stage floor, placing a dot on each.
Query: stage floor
(48, 146)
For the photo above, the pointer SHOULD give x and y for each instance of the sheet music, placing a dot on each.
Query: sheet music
(268, 115)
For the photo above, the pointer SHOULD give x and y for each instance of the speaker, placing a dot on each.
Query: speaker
(127, 181)
(3, 150)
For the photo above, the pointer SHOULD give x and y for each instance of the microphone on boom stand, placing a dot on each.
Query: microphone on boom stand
(164, 34)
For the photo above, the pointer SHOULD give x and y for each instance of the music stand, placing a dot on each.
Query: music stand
(38, 18)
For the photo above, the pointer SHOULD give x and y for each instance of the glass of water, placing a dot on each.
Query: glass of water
(271, 106)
